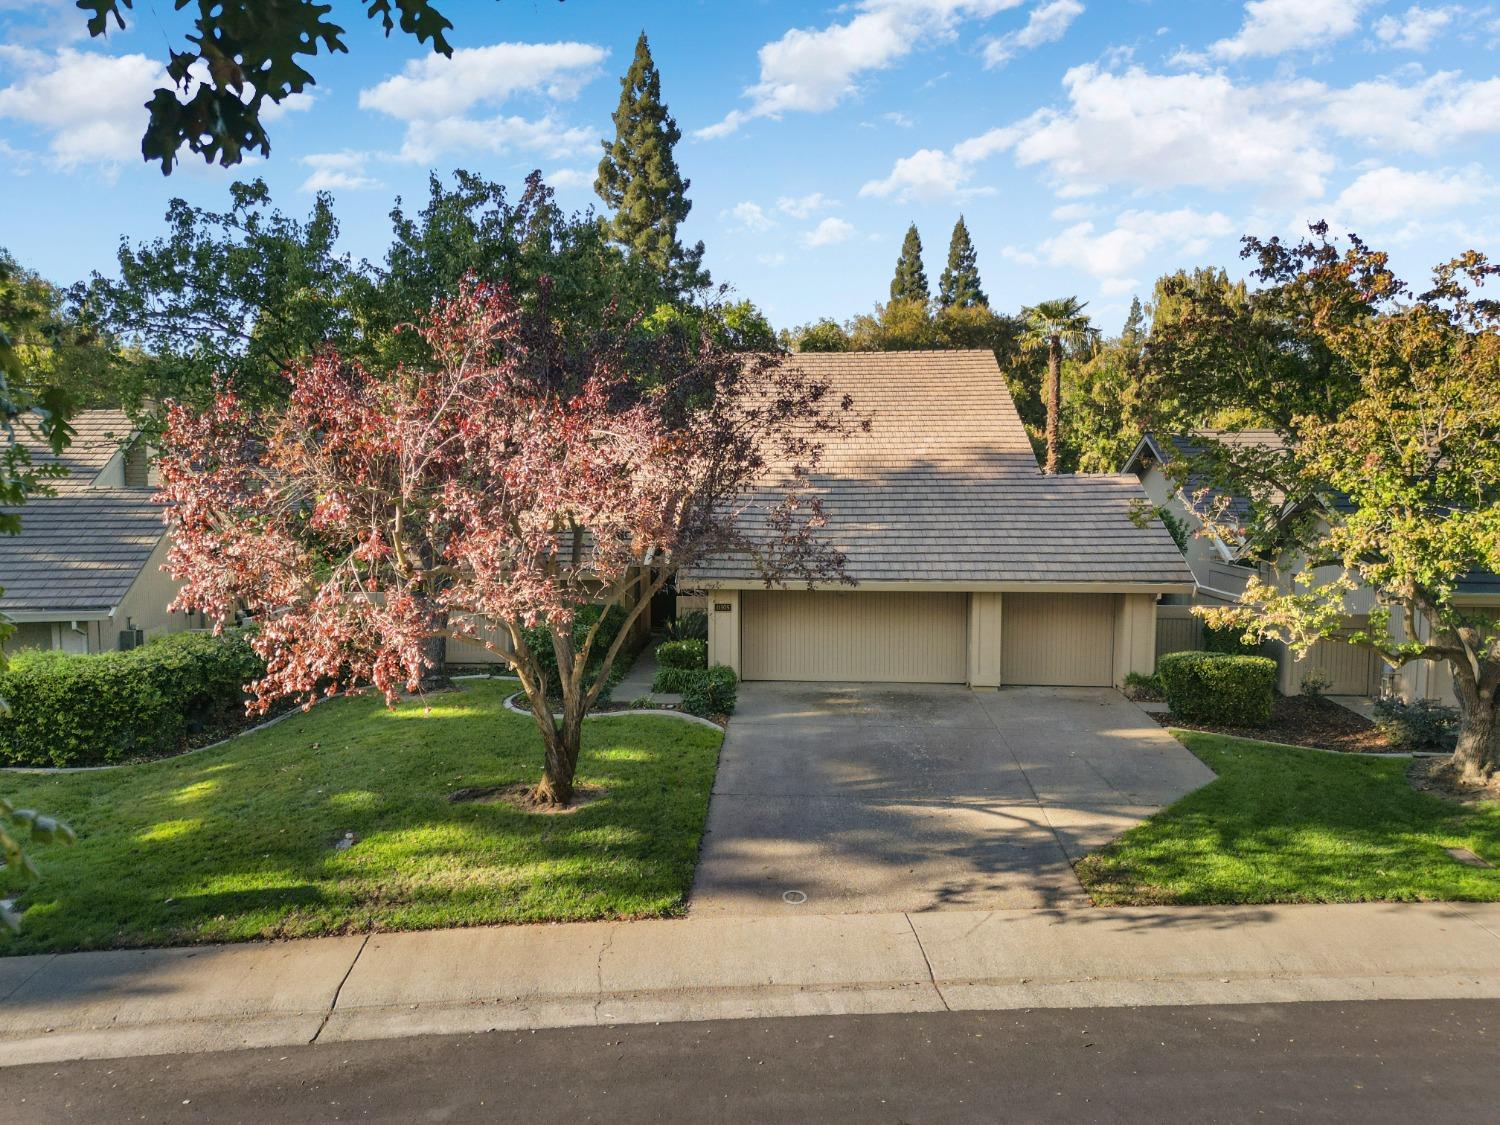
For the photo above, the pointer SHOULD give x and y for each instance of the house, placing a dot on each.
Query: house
(85, 573)
(1220, 574)
(970, 565)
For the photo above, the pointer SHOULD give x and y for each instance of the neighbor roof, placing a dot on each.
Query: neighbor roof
(944, 486)
(1170, 447)
(81, 550)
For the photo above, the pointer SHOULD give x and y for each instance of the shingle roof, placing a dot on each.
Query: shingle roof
(945, 488)
(98, 436)
(81, 549)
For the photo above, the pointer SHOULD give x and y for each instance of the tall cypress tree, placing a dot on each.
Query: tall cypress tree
(959, 285)
(910, 282)
(638, 177)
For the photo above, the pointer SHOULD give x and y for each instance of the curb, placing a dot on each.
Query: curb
(510, 705)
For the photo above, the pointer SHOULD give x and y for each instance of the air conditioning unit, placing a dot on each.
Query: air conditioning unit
(131, 637)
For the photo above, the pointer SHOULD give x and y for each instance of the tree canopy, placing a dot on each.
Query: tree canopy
(959, 287)
(910, 281)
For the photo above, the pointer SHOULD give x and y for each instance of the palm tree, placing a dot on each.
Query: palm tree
(1054, 325)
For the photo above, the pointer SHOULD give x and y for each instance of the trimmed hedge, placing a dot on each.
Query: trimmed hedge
(1228, 640)
(714, 692)
(676, 680)
(70, 709)
(682, 654)
(1235, 691)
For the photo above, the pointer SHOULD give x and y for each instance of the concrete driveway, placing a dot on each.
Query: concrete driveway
(853, 798)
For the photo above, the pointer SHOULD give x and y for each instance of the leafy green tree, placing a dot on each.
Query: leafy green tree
(1054, 327)
(56, 345)
(30, 412)
(825, 335)
(239, 294)
(239, 54)
(639, 181)
(958, 287)
(1398, 491)
(910, 282)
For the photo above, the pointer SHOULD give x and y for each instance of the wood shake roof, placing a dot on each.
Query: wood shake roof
(945, 488)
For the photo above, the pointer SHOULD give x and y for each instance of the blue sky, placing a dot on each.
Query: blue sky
(1091, 144)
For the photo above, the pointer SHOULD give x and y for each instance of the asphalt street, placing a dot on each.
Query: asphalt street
(1371, 1062)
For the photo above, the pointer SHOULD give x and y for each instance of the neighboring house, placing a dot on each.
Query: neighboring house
(85, 573)
(971, 565)
(1220, 575)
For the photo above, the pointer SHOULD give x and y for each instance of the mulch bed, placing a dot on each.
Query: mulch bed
(1304, 721)
(1437, 775)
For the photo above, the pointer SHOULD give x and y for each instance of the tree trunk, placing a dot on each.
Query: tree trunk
(1054, 406)
(556, 786)
(1477, 755)
(435, 654)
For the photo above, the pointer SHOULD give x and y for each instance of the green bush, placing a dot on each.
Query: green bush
(1140, 687)
(71, 709)
(689, 626)
(539, 640)
(676, 680)
(1228, 640)
(1423, 725)
(1234, 691)
(682, 654)
(713, 692)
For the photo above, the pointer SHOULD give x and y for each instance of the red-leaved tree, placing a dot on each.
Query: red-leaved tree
(505, 485)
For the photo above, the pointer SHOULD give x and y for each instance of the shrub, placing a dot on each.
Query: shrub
(71, 709)
(676, 680)
(682, 654)
(539, 640)
(1218, 688)
(1423, 725)
(690, 626)
(1315, 684)
(713, 692)
(1228, 640)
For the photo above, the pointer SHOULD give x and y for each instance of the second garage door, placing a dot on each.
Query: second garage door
(856, 636)
(1057, 639)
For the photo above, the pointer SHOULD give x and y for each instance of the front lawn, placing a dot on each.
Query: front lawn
(1288, 825)
(239, 842)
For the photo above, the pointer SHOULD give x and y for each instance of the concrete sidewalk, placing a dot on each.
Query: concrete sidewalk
(115, 1004)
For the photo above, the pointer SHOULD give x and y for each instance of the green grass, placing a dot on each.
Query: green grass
(237, 843)
(1283, 824)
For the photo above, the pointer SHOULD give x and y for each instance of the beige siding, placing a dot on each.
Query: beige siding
(871, 637)
(1135, 636)
(145, 604)
(986, 628)
(1349, 669)
(1062, 639)
(724, 629)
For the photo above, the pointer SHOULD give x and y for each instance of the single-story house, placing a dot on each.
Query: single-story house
(85, 573)
(1220, 573)
(970, 565)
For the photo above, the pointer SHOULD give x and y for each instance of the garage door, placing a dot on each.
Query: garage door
(1061, 639)
(853, 635)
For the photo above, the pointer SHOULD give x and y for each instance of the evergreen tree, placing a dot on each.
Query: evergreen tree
(910, 282)
(638, 177)
(1133, 335)
(959, 285)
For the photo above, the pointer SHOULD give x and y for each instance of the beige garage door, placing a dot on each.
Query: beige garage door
(854, 635)
(1060, 639)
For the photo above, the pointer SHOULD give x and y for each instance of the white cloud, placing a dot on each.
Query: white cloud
(899, 119)
(1386, 194)
(293, 103)
(1423, 116)
(813, 69)
(435, 97)
(927, 174)
(1112, 254)
(562, 179)
(1144, 131)
(829, 232)
(776, 258)
(90, 105)
(338, 171)
(1415, 29)
(1274, 26)
(1049, 21)
(750, 216)
(804, 206)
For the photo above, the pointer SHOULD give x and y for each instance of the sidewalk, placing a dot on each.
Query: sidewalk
(142, 1002)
